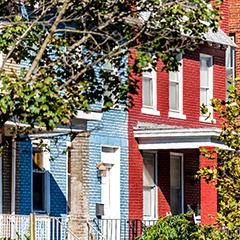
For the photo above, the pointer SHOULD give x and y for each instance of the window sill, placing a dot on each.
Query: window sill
(177, 115)
(40, 212)
(150, 111)
(209, 120)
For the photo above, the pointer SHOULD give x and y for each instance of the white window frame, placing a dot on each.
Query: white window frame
(209, 89)
(154, 207)
(151, 110)
(45, 171)
(230, 65)
(177, 113)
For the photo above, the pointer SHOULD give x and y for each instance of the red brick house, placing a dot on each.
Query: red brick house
(167, 132)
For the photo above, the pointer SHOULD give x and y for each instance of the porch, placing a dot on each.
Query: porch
(53, 228)
(167, 159)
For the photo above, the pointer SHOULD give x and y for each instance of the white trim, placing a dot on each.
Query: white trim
(183, 145)
(178, 138)
(202, 118)
(94, 116)
(177, 132)
(174, 113)
(13, 187)
(150, 111)
(155, 217)
(13, 184)
(112, 158)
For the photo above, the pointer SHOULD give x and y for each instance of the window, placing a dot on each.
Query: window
(176, 92)
(230, 65)
(149, 186)
(206, 86)
(109, 93)
(149, 93)
(41, 184)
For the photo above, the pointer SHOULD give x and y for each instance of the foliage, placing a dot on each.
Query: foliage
(179, 227)
(226, 174)
(62, 46)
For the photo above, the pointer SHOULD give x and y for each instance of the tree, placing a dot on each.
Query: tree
(61, 47)
(226, 174)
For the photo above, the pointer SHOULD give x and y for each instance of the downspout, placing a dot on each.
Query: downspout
(13, 189)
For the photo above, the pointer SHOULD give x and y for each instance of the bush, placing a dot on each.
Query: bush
(179, 227)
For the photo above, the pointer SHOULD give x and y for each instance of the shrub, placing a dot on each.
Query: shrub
(179, 227)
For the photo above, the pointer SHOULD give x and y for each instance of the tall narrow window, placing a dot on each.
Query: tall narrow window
(230, 65)
(176, 92)
(149, 92)
(206, 84)
(40, 191)
(110, 89)
(149, 186)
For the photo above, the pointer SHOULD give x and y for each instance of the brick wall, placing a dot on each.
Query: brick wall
(208, 192)
(191, 108)
(112, 131)
(79, 184)
(24, 176)
(58, 176)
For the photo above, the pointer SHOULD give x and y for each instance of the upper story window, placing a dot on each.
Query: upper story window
(149, 92)
(40, 180)
(108, 94)
(206, 86)
(176, 92)
(230, 65)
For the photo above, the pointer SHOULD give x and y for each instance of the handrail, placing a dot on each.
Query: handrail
(96, 230)
(65, 228)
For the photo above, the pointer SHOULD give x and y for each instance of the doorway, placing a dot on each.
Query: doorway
(176, 183)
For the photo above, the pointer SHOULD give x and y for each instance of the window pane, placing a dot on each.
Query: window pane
(38, 190)
(204, 96)
(147, 202)
(37, 159)
(173, 76)
(148, 170)
(174, 96)
(204, 81)
(147, 91)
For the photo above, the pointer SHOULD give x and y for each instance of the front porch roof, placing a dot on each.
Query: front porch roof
(153, 136)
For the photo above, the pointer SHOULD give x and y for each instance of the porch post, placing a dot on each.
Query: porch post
(208, 193)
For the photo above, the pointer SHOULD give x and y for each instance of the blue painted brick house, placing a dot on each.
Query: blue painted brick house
(41, 176)
(108, 147)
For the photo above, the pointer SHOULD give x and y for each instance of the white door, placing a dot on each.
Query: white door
(111, 193)
(149, 186)
(176, 183)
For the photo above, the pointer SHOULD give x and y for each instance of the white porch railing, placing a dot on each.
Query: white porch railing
(46, 227)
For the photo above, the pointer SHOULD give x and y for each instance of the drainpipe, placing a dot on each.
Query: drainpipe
(13, 189)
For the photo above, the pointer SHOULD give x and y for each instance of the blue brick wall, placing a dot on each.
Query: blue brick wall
(58, 175)
(112, 130)
(58, 179)
(25, 175)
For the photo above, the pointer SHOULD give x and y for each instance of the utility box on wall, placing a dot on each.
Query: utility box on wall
(99, 209)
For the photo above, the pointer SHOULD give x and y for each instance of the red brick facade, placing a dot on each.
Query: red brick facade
(195, 192)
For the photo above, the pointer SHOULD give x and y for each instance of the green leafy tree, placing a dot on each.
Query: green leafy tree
(179, 227)
(226, 175)
(62, 46)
